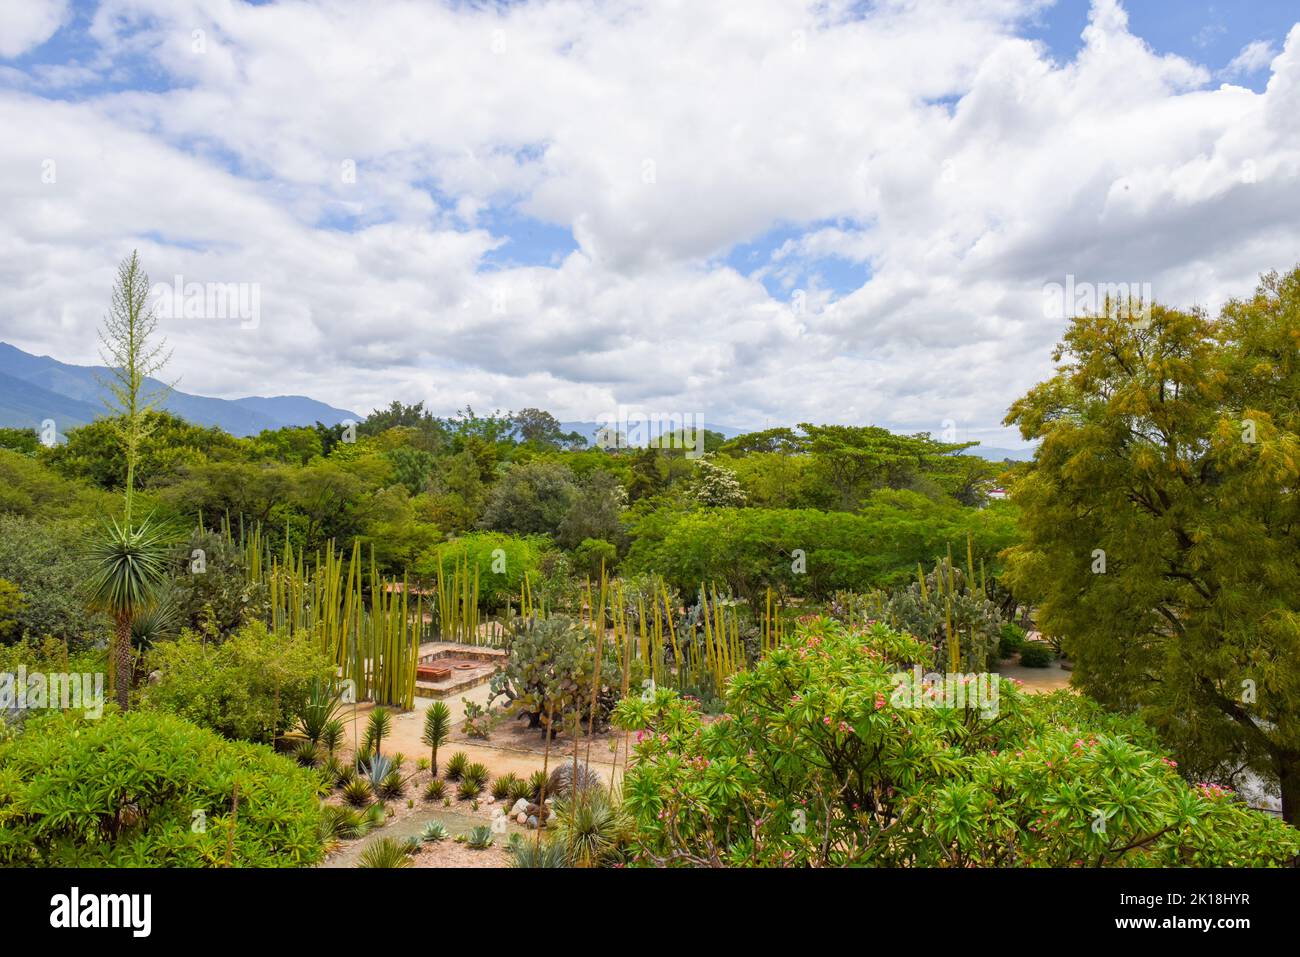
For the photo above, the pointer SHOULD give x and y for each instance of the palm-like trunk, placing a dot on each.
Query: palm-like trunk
(124, 662)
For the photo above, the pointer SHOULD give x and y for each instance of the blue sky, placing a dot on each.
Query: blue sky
(821, 210)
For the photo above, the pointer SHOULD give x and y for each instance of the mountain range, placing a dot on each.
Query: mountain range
(36, 388)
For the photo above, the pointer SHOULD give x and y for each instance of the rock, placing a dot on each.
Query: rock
(492, 800)
(561, 780)
(532, 823)
(520, 806)
(522, 818)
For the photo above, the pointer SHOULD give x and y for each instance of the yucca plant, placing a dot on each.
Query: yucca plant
(480, 838)
(378, 728)
(434, 831)
(435, 790)
(548, 853)
(477, 774)
(456, 765)
(323, 706)
(437, 728)
(305, 754)
(387, 852)
(128, 566)
(343, 824)
(393, 786)
(536, 784)
(502, 786)
(592, 829)
(332, 735)
(520, 790)
(329, 772)
(357, 792)
(346, 774)
(468, 790)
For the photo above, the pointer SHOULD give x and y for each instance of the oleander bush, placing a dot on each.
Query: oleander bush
(820, 760)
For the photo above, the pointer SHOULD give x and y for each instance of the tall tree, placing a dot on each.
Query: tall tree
(129, 560)
(1160, 522)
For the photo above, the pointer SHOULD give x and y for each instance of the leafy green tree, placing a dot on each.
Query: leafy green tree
(45, 561)
(11, 606)
(1159, 521)
(716, 486)
(530, 499)
(856, 460)
(594, 554)
(596, 512)
(26, 441)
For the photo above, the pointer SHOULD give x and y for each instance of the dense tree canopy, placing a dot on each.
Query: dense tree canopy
(1160, 524)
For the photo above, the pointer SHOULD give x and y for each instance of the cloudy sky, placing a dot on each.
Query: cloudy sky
(766, 211)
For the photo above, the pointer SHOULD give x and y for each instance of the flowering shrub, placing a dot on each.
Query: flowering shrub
(813, 764)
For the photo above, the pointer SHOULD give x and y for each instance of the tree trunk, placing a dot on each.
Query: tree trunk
(124, 662)
(1289, 777)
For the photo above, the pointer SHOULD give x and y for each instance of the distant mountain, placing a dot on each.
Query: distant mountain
(588, 430)
(35, 388)
(999, 455)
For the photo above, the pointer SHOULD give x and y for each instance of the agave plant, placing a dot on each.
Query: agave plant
(437, 728)
(456, 765)
(480, 838)
(385, 852)
(129, 565)
(376, 769)
(434, 831)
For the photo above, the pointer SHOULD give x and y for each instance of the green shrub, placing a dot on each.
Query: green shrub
(1011, 638)
(435, 790)
(251, 686)
(868, 777)
(149, 789)
(1034, 654)
(523, 555)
